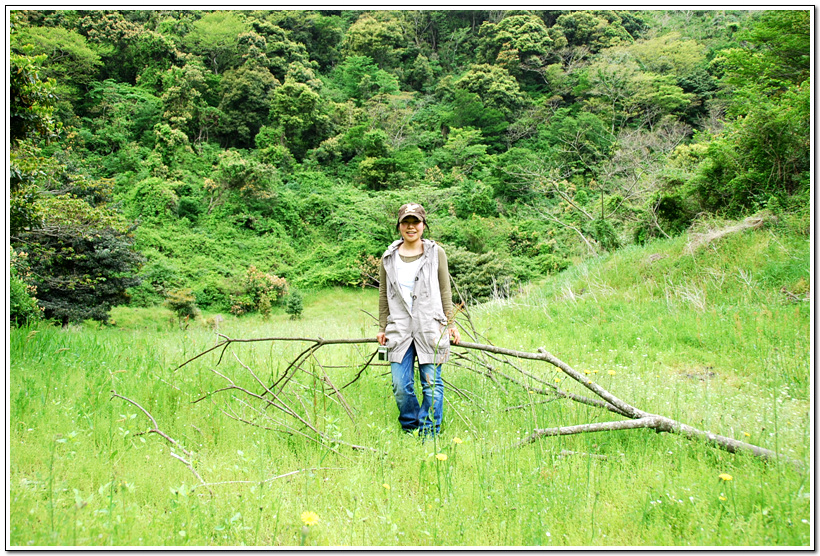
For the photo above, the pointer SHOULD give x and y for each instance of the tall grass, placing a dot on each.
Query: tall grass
(707, 339)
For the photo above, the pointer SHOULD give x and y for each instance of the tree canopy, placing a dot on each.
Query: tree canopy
(206, 142)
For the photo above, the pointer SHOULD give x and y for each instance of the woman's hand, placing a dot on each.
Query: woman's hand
(455, 336)
(382, 338)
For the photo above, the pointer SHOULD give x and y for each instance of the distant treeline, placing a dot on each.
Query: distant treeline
(227, 157)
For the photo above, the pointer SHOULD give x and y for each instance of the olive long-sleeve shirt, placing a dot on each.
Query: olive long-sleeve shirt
(444, 288)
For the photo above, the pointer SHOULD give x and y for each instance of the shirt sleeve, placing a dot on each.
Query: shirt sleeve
(384, 308)
(444, 286)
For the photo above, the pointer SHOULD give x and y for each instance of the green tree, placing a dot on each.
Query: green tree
(467, 110)
(126, 48)
(82, 260)
(615, 87)
(775, 56)
(581, 142)
(298, 116)
(596, 29)
(320, 34)
(377, 35)
(32, 98)
(170, 147)
(517, 40)
(279, 51)
(215, 37)
(464, 149)
(152, 199)
(183, 105)
(242, 174)
(69, 61)
(294, 305)
(31, 120)
(119, 114)
(765, 150)
(494, 85)
(361, 79)
(758, 156)
(247, 92)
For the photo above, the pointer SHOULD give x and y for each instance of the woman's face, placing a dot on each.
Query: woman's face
(411, 229)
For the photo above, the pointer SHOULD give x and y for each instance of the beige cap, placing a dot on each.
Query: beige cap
(412, 209)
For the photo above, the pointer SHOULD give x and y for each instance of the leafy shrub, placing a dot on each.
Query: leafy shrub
(475, 197)
(152, 198)
(189, 208)
(380, 173)
(550, 263)
(156, 279)
(183, 304)
(476, 234)
(604, 232)
(528, 243)
(23, 308)
(258, 289)
(212, 293)
(674, 214)
(477, 277)
(241, 304)
(293, 305)
(264, 307)
(369, 267)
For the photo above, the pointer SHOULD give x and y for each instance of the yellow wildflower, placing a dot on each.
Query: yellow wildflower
(746, 434)
(441, 457)
(457, 440)
(611, 372)
(722, 498)
(386, 486)
(725, 476)
(310, 518)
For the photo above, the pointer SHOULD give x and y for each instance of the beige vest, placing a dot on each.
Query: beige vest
(425, 325)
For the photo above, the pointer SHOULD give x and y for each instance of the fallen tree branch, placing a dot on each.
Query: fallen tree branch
(157, 430)
(636, 418)
(208, 485)
(568, 453)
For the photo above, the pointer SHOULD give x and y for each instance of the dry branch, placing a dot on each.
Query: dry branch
(636, 418)
(699, 239)
(268, 480)
(173, 442)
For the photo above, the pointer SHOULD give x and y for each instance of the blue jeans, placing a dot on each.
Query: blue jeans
(411, 415)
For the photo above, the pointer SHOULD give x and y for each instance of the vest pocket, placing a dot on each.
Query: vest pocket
(436, 335)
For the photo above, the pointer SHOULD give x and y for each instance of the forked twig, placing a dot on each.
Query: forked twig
(269, 479)
(157, 430)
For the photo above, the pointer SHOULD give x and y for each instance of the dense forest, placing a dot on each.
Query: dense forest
(223, 160)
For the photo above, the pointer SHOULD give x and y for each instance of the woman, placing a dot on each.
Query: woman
(416, 320)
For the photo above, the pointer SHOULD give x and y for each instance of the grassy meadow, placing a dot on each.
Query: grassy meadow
(707, 338)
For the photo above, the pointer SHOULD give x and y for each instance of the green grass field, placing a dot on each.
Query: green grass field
(707, 338)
